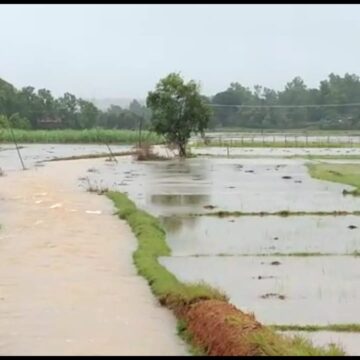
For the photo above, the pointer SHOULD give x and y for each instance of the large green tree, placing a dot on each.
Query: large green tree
(178, 110)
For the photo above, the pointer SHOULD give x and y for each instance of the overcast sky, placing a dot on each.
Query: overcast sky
(123, 50)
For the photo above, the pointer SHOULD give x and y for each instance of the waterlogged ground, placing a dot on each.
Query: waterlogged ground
(274, 152)
(316, 290)
(207, 235)
(281, 137)
(34, 154)
(249, 185)
(278, 289)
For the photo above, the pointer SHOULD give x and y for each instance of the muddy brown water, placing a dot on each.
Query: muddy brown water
(68, 285)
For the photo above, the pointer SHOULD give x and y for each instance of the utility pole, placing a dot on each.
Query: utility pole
(16, 145)
(140, 128)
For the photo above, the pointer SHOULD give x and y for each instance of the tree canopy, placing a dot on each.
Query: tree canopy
(334, 90)
(30, 109)
(178, 110)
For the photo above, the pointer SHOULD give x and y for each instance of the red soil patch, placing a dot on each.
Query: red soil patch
(221, 329)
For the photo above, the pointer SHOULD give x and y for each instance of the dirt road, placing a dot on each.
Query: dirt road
(67, 282)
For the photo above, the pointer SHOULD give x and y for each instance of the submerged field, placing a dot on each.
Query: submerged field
(96, 136)
(284, 269)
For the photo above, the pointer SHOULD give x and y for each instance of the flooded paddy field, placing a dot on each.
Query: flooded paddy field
(227, 251)
(246, 235)
(281, 290)
(290, 135)
(275, 152)
(33, 154)
(203, 185)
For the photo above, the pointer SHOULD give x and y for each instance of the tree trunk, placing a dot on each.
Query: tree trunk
(182, 150)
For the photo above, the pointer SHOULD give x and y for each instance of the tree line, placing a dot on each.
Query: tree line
(264, 107)
(30, 109)
(274, 110)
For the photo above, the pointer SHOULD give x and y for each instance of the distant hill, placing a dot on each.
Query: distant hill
(105, 103)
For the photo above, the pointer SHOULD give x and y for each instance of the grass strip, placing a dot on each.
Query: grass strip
(151, 245)
(348, 174)
(329, 327)
(203, 312)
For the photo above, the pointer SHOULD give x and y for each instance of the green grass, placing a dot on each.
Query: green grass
(271, 345)
(97, 136)
(183, 332)
(271, 144)
(268, 343)
(329, 327)
(348, 174)
(177, 295)
(151, 245)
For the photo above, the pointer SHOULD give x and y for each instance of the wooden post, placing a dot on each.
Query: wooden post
(16, 145)
(140, 128)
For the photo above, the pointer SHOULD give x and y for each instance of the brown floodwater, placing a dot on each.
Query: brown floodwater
(68, 285)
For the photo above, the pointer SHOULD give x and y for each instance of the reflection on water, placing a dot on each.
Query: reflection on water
(210, 235)
(168, 187)
(175, 224)
(179, 200)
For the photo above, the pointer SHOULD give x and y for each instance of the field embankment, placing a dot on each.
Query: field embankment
(206, 319)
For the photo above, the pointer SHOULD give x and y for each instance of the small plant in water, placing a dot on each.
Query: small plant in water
(146, 152)
(273, 295)
(98, 189)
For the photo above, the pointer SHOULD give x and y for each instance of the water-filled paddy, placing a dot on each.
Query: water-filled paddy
(275, 152)
(316, 290)
(32, 154)
(248, 185)
(245, 235)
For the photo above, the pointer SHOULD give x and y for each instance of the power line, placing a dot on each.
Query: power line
(286, 106)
